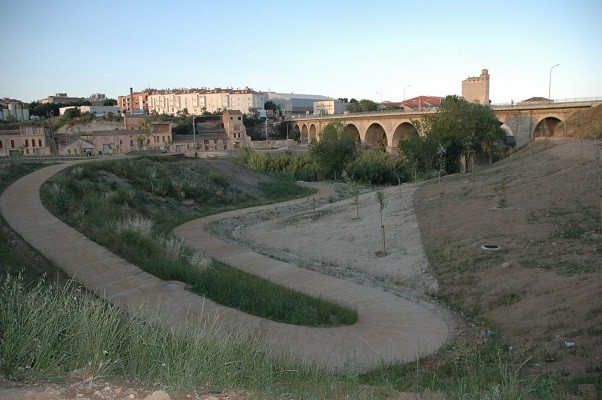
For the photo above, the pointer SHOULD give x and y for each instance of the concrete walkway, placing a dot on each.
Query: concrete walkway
(389, 329)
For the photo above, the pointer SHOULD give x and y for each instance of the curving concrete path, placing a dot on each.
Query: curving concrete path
(389, 329)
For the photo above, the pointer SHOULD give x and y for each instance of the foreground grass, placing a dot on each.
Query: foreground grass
(49, 331)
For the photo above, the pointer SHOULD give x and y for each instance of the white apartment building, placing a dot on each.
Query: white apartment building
(197, 101)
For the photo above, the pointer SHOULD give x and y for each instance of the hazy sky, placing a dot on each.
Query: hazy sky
(334, 48)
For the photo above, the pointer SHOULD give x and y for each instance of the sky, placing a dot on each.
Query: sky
(376, 50)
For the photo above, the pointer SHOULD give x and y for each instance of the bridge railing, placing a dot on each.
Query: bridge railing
(426, 110)
(363, 114)
(551, 101)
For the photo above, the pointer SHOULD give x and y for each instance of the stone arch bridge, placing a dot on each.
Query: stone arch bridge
(384, 129)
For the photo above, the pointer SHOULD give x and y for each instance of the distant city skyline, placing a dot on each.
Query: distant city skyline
(379, 51)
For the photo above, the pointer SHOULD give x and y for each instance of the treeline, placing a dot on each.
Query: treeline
(336, 152)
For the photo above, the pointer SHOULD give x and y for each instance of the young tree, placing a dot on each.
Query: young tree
(380, 199)
(336, 147)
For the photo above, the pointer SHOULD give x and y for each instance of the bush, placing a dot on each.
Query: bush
(378, 168)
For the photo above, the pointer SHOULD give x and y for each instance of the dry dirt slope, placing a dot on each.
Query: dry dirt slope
(543, 288)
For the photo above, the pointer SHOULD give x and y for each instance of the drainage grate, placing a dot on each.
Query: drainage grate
(490, 247)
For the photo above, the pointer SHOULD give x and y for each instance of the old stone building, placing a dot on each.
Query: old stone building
(25, 141)
(476, 88)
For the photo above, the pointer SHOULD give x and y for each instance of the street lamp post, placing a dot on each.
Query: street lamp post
(381, 100)
(550, 82)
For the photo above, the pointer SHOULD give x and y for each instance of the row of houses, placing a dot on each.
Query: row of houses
(138, 133)
(198, 101)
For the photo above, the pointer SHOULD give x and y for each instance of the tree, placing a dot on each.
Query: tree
(71, 113)
(336, 147)
(421, 146)
(109, 102)
(354, 106)
(463, 129)
(270, 105)
(363, 105)
(380, 199)
(368, 105)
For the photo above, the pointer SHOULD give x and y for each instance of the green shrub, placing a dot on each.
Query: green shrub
(378, 168)
(218, 179)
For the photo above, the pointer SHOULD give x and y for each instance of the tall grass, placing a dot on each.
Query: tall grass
(467, 369)
(50, 332)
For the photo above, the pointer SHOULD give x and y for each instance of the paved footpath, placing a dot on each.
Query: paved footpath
(389, 329)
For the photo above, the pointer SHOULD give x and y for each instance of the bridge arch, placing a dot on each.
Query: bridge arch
(402, 131)
(375, 135)
(548, 127)
(507, 129)
(313, 132)
(354, 131)
(304, 132)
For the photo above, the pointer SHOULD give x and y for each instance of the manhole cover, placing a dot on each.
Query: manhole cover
(174, 285)
(490, 247)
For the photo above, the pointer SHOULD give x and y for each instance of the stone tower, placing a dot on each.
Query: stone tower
(476, 88)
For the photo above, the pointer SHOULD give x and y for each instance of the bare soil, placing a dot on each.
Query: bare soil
(542, 290)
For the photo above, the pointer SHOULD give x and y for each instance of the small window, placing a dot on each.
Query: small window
(33, 143)
(12, 144)
(26, 142)
(1, 145)
(40, 142)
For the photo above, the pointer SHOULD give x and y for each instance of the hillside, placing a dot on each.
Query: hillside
(585, 124)
(541, 290)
